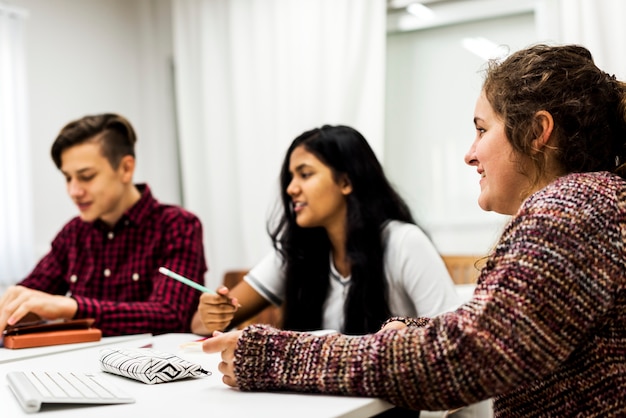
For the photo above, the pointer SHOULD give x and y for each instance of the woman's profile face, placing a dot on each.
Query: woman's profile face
(502, 186)
(318, 201)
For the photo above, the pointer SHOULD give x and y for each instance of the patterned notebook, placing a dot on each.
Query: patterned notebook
(148, 365)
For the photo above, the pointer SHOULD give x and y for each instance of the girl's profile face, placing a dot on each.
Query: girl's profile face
(502, 186)
(317, 199)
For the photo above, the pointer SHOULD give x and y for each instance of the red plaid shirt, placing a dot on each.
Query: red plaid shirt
(113, 273)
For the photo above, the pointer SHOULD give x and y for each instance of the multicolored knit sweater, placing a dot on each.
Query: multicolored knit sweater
(545, 333)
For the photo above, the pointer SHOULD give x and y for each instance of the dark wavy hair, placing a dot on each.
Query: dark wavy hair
(588, 106)
(306, 251)
(114, 132)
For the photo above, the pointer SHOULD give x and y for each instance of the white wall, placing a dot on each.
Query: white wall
(94, 56)
(432, 86)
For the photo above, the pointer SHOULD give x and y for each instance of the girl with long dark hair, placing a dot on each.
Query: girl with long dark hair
(348, 254)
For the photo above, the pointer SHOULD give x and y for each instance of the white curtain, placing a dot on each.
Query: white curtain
(251, 75)
(595, 24)
(16, 212)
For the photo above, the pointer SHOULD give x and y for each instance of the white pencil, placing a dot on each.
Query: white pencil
(185, 280)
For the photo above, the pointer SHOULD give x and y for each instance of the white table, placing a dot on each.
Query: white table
(206, 396)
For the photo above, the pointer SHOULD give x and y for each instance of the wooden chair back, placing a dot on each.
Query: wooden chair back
(464, 269)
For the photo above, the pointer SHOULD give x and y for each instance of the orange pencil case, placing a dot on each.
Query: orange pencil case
(50, 332)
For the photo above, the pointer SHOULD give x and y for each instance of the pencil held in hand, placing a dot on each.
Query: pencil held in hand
(191, 283)
(185, 280)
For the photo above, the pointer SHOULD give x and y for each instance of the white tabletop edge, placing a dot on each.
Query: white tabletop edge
(8, 355)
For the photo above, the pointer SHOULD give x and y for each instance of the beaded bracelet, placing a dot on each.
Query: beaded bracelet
(409, 322)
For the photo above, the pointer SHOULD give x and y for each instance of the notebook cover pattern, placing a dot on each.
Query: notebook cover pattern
(148, 365)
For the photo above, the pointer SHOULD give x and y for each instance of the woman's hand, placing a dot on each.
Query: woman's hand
(393, 325)
(215, 312)
(224, 343)
(401, 322)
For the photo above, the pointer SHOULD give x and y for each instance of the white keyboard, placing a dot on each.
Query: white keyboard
(34, 388)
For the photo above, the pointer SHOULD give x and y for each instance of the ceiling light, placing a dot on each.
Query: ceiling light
(485, 48)
(420, 11)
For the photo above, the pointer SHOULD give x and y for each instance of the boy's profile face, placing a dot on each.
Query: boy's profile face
(97, 189)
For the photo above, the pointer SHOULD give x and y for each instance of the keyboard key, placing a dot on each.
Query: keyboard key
(39, 386)
(76, 383)
(51, 384)
(94, 386)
